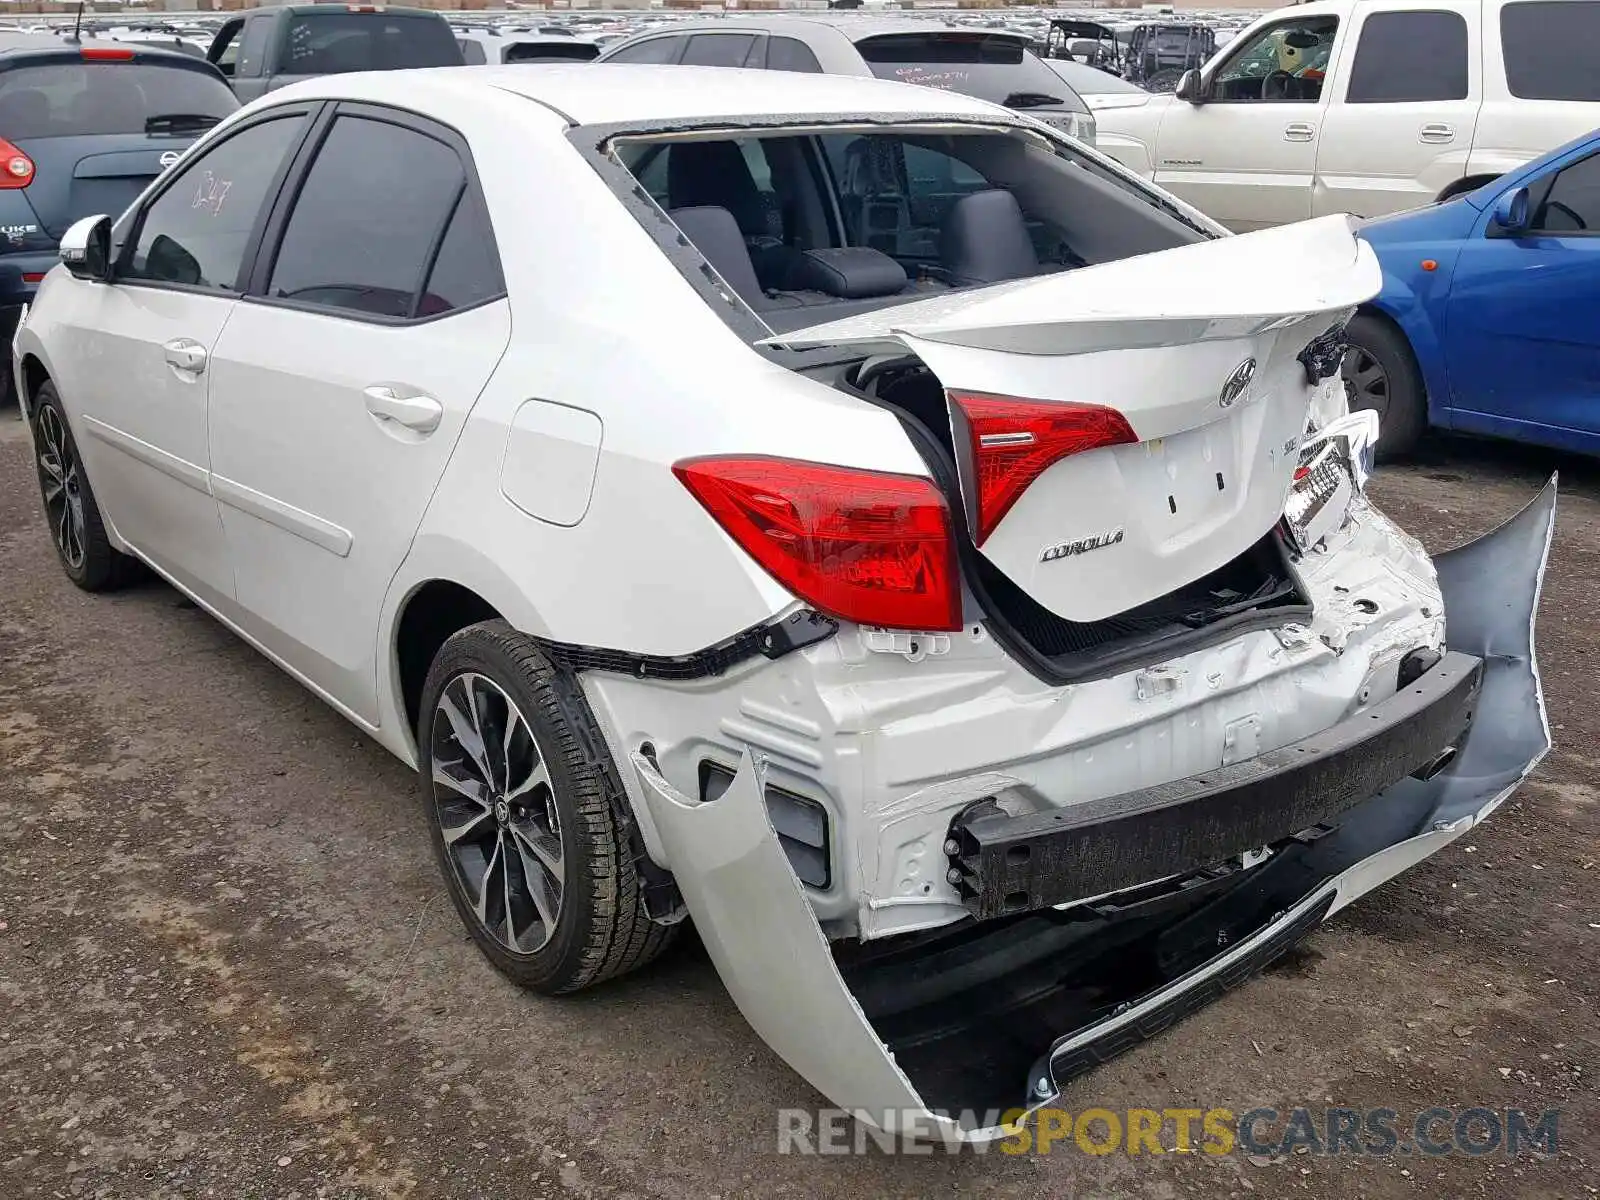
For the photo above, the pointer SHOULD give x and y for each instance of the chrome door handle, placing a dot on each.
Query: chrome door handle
(419, 412)
(1437, 133)
(185, 354)
(1299, 131)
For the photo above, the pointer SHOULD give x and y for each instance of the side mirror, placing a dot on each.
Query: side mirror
(1510, 213)
(1191, 88)
(86, 248)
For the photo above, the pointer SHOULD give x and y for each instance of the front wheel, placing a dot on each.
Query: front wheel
(79, 534)
(1380, 373)
(517, 789)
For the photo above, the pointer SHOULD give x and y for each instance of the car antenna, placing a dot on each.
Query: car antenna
(77, 24)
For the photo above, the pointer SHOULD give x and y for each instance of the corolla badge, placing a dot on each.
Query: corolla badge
(170, 157)
(1237, 384)
(1082, 546)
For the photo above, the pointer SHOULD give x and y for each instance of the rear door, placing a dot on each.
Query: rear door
(342, 381)
(98, 127)
(1405, 104)
(1124, 429)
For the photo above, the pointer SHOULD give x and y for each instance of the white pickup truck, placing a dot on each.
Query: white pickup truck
(1366, 106)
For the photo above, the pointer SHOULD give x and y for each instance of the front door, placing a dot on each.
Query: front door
(341, 384)
(1404, 108)
(1247, 154)
(137, 375)
(1521, 333)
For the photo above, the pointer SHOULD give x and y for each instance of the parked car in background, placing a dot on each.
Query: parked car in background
(272, 47)
(1489, 318)
(991, 65)
(84, 127)
(490, 46)
(1095, 87)
(1367, 107)
(981, 632)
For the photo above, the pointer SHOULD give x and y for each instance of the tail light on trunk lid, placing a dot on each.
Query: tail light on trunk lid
(1012, 441)
(864, 546)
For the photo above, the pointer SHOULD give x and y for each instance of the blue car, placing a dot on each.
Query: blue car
(1489, 318)
(83, 128)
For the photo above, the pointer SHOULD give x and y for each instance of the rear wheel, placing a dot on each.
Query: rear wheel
(518, 791)
(1380, 374)
(85, 551)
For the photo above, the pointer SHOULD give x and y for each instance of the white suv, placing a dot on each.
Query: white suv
(1366, 107)
(966, 607)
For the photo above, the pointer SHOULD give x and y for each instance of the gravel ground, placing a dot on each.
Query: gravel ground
(227, 968)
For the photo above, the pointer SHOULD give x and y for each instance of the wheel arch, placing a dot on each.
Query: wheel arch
(34, 375)
(1467, 183)
(1411, 321)
(426, 619)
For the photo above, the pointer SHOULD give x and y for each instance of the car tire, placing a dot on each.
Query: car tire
(85, 552)
(562, 908)
(1380, 373)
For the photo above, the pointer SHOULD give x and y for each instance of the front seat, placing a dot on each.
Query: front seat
(985, 240)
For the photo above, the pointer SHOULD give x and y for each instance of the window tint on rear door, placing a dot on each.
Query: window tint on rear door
(467, 270)
(1550, 48)
(1410, 57)
(68, 99)
(196, 231)
(368, 220)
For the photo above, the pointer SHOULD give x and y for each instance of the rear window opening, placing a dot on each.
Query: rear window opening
(806, 227)
(1258, 585)
(73, 99)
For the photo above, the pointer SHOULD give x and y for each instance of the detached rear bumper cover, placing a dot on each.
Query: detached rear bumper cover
(758, 926)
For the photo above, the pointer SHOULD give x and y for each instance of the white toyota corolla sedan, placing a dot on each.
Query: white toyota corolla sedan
(850, 515)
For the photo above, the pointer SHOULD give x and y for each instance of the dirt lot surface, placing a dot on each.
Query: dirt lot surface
(227, 968)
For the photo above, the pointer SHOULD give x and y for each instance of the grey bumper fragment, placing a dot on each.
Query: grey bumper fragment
(858, 1049)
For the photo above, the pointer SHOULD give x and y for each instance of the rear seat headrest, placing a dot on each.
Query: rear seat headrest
(985, 240)
(716, 235)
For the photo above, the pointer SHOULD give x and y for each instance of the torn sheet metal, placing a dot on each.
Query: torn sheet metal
(861, 1043)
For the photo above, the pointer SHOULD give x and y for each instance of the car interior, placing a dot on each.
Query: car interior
(1285, 62)
(809, 228)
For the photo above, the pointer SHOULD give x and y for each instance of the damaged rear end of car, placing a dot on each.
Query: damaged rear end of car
(1125, 695)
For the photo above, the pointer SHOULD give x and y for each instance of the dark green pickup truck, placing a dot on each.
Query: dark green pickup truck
(270, 48)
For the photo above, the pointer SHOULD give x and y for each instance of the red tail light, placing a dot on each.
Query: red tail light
(1013, 441)
(864, 546)
(33, 277)
(16, 168)
(106, 54)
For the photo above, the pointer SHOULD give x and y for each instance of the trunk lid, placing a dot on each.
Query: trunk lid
(78, 177)
(1198, 348)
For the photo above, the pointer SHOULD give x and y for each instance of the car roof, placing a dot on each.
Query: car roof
(857, 29)
(620, 93)
(21, 46)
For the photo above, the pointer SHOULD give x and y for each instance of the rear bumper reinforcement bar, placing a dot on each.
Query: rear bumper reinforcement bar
(1010, 864)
